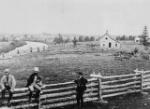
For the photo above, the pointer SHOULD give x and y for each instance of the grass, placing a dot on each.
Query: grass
(61, 61)
(133, 101)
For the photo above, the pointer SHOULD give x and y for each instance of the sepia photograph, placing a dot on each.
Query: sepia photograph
(74, 54)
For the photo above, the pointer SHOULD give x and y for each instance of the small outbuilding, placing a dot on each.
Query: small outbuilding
(137, 40)
(107, 42)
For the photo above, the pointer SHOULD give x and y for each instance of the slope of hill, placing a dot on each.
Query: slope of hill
(8, 46)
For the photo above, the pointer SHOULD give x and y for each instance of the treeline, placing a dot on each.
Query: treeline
(60, 39)
(124, 37)
(4, 39)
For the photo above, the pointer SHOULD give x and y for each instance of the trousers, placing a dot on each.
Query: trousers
(36, 93)
(79, 98)
(7, 88)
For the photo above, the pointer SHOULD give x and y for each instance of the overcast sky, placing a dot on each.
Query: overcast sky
(74, 16)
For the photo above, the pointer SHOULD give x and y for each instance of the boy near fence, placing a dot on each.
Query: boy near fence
(80, 89)
(8, 83)
(34, 83)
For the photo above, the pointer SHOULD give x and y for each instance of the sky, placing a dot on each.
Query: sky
(74, 16)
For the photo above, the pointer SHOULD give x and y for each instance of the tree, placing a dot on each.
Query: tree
(4, 39)
(118, 38)
(87, 38)
(123, 37)
(58, 39)
(144, 37)
(81, 39)
(55, 40)
(67, 40)
(74, 42)
(92, 38)
(131, 37)
(25, 37)
(45, 40)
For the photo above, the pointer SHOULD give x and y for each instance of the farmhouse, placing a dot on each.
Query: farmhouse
(107, 42)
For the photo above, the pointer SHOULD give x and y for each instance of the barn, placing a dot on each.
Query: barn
(107, 42)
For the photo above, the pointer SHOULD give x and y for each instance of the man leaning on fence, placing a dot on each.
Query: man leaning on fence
(8, 83)
(34, 83)
(80, 89)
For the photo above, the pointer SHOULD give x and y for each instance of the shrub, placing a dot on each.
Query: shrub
(145, 56)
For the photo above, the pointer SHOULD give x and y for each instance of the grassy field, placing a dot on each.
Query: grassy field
(133, 101)
(59, 63)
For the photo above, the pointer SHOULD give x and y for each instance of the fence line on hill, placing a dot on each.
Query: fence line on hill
(98, 88)
(19, 51)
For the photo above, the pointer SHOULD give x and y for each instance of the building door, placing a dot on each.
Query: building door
(109, 44)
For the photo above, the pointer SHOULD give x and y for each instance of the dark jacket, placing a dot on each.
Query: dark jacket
(81, 84)
(31, 79)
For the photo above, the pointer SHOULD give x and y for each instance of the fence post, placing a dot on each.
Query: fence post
(31, 49)
(135, 78)
(100, 87)
(18, 51)
(141, 85)
(38, 49)
(142, 81)
(100, 90)
(43, 48)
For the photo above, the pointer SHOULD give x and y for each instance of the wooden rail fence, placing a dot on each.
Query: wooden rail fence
(98, 88)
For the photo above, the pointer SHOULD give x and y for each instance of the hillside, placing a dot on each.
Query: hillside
(11, 45)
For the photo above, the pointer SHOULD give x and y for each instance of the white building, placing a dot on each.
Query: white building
(107, 42)
(137, 40)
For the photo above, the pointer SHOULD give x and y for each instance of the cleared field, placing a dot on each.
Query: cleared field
(59, 63)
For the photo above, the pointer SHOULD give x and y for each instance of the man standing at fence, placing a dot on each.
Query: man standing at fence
(34, 83)
(80, 89)
(8, 83)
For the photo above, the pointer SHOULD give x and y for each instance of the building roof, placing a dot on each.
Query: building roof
(107, 34)
(137, 38)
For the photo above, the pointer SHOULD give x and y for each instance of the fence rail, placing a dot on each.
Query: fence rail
(98, 88)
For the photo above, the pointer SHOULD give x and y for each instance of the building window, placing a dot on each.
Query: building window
(106, 38)
(103, 45)
(116, 45)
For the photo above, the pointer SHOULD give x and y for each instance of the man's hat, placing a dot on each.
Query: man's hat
(7, 70)
(36, 69)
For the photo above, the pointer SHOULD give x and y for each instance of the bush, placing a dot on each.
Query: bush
(145, 56)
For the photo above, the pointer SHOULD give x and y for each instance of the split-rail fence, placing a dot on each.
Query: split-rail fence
(98, 88)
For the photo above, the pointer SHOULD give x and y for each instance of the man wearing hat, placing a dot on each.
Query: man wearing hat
(8, 83)
(34, 83)
(80, 89)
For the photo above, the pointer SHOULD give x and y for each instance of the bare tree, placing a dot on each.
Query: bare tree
(74, 42)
